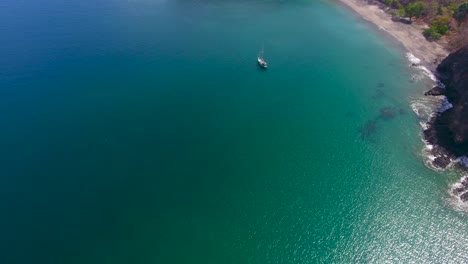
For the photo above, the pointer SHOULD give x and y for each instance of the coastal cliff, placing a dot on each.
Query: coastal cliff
(449, 129)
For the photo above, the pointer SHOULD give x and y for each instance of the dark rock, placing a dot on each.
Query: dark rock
(450, 128)
(459, 190)
(441, 162)
(436, 91)
(464, 197)
(430, 134)
(465, 182)
(443, 158)
(461, 167)
(387, 113)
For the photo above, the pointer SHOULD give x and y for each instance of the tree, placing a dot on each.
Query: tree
(441, 24)
(415, 9)
(401, 12)
(395, 4)
(461, 12)
(431, 34)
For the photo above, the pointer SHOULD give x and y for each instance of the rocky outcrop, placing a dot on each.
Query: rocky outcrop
(436, 91)
(460, 189)
(449, 129)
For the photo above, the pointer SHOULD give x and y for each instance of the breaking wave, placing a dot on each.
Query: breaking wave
(425, 72)
(459, 194)
(423, 108)
(412, 58)
(426, 108)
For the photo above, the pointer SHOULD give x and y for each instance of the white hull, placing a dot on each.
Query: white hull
(262, 62)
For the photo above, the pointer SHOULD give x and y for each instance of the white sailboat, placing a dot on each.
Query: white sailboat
(261, 61)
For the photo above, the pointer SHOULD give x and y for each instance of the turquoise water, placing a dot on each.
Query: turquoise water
(144, 132)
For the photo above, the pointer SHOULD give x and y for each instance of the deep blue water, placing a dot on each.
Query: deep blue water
(144, 132)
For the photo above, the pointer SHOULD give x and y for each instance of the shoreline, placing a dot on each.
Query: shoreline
(410, 36)
(426, 56)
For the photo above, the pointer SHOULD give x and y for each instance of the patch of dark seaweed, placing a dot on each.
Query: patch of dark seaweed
(368, 129)
(387, 113)
(378, 94)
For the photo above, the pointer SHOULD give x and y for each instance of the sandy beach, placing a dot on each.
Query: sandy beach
(410, 36)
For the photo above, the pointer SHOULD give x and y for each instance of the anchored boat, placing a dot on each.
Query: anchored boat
(261, 61)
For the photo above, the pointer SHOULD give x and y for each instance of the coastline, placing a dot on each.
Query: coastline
(410, 36)
(427, 56)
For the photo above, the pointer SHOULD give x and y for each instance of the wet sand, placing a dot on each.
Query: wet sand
(410, 36)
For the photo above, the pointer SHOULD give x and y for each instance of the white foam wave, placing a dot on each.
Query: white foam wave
(415, 62)
(427, 73)
(459, 184)
(423, 110)
(429, 159)
(457, 204)
(456, 190)
(424, 125)
(417, 77)
(412, 58)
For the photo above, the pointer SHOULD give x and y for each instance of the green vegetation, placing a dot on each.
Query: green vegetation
(444, 17)
(415, 9)
(431, 34)
(401, 12)
(461, 12)
(395, 4)
(441, 25)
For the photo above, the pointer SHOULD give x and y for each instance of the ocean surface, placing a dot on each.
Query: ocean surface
(143, 131)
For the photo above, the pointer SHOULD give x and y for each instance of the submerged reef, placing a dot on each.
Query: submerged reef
(369, 129)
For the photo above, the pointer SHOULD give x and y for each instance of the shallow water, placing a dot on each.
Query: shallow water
(144, 132)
